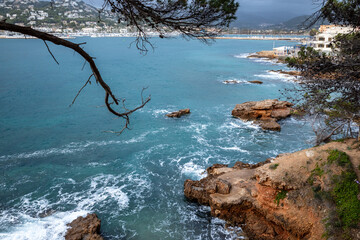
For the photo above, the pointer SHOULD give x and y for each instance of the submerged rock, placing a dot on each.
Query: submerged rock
(256, 82)
(265, 113)
(286, 198)
(179, 113)
(231, 82)
(84, 228)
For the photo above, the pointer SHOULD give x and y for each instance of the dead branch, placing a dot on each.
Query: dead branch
(88, 81)
(76, 47)
(51, 53)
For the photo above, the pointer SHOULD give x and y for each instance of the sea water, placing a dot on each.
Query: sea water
(59, 162)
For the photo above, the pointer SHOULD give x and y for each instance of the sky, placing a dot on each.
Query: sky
(278, 10)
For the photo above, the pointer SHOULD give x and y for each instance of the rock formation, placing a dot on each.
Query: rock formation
(84, 228)
(289, 197)
(256, 82)
(179, 113)
(291, 73)
(232, 82)
(264, 54)
(266, 113)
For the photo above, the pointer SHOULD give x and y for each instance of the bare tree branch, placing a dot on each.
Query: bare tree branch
(76, 47)
(88, 81)
(51, 53)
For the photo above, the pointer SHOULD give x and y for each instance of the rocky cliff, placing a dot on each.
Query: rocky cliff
(310, 194)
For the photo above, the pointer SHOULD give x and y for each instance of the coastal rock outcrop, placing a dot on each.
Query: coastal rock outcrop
(256, 82)
(289, 197)
(265, 113)
(84, 228)
(291, 73)
(264, 54)
(178, 113)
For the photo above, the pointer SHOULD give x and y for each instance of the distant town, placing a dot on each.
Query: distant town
(73, 18)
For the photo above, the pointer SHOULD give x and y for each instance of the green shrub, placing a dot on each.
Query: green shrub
(345, 195)
(273, 166)
(279, 196)
(339, 157)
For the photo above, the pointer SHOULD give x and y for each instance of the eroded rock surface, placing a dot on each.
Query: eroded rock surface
(179, 113)
(84, 228)
(275, 199)
(265, 113)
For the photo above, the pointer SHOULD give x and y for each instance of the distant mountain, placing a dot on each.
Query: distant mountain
(302, 22)
(258, 22)
(65, 13)
(246, 20)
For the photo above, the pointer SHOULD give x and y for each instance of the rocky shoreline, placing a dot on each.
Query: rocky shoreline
(84, 228)
(264, 113)
(294, 196)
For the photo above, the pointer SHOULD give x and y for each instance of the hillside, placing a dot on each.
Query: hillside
(64, 13)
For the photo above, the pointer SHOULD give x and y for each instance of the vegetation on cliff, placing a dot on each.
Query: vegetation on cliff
(330, 92)
(310, 194)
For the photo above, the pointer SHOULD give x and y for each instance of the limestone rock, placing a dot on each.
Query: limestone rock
(266, 113)
(84, 228)
(179, 113)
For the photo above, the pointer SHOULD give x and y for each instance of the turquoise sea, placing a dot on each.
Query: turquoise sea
(58, 162)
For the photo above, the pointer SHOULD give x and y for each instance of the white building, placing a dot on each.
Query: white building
(326, 35)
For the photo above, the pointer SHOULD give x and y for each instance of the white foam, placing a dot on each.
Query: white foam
(239, 124)
(96, 193)
(192, 170)
(75, 147)
(49, 228)
(160, 112)
(234, 81)
(277, 76)
(103, 190)
(196, 127)
(234, 148)
(242, 55)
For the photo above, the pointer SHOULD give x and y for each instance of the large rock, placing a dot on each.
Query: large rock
(179, 113)
(266, 113)
(276, 199)
(84, 228)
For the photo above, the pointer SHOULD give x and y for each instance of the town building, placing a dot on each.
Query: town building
(327, 33)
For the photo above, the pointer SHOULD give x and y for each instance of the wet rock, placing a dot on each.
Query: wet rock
(84, 228)
(265, 113)
(179, 113)
(269, 124)
(231, 82)
(256, 82)
(47, 213)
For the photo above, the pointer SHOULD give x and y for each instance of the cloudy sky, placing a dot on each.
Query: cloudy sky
(279, 10)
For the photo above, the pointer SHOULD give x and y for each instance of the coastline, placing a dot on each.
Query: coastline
(292, 196)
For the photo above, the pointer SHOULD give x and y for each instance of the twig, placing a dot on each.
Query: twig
(83, 66)
(51, 52)
(88, 81)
